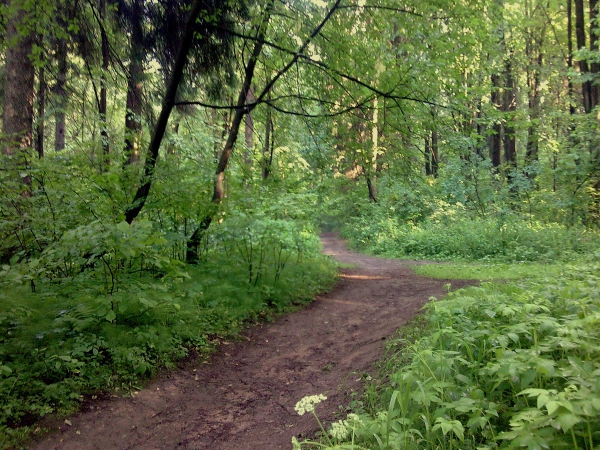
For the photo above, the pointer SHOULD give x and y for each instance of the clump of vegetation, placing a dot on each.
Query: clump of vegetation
(497, 366)
(107, 306)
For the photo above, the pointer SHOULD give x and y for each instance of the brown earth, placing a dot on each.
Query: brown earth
(243, 398)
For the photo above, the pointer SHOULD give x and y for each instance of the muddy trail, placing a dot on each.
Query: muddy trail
(243, 397)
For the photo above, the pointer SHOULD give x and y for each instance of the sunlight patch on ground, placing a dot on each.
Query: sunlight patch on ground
(365, 277)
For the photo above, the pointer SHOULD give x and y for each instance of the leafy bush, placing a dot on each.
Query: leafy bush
(498, 366)
(505, 238)
(110, 307)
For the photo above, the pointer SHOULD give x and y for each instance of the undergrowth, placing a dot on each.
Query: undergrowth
(107, 308)
(500, 239)
(503, 365)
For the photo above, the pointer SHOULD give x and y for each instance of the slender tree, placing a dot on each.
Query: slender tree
(17, 126)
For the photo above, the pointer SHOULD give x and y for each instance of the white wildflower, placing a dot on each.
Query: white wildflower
(308, 403)
(339, 430)
(354, 421)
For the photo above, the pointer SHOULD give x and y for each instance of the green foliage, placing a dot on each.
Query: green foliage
(68, 340)
(450, 234)
(489, 271)
(498, 366)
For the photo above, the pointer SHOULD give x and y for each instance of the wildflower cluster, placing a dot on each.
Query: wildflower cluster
(340, 429)
(308, 403)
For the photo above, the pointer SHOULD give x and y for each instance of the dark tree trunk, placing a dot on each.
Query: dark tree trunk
(532, 150)
(60, 94)
(586, 86)
(570, 51)
(434, 153)
(496, 139)
(158, 132)
(268, 146)
(594, 66)
(249, 137)
(17, 126)
(240, 110)
(105, 62)
(427, 157)
(135, 78)
(372, 190)
(41, 112)
(509, 100)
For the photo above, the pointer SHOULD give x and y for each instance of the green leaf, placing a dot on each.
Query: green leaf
(111, 316)
(568, 420)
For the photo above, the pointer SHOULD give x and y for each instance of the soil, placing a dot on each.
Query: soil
(243, 397)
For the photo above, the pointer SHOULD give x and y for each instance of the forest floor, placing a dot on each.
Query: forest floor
(243, 396)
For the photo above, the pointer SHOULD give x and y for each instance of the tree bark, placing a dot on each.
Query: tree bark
(586, 86)
(268, 146)
(509, 106)
(103, 89)
(41, 112)
(427, 153)
(241, 109)
(249, 136)
(496, 140)
(594, 66)
(60, 96)
(570, 51)
(372, 190)
(17, 126)
(434, 153)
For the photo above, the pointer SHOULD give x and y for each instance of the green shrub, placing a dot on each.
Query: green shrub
(498, 366)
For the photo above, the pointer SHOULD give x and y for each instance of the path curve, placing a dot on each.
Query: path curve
(243, 398)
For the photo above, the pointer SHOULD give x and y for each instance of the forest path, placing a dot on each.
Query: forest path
(243, 397)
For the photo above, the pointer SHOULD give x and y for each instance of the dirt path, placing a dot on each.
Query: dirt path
(244, 397)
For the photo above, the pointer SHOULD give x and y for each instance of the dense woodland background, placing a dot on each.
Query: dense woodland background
(167, 164)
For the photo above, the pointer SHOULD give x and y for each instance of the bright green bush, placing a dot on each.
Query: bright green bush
(498, 366)
(106, 306)
(500, 239)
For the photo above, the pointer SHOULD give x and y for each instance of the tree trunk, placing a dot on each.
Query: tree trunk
(41, 112)
(60, 96)
(372, 190)
(532, 150)
(17, 126)
(105, 62)
(268, 146)
(240, 110)
(158, 133)
(434, 153)
(133, 123)
(249, 137)
(586, 86)
(594, 66)
(428, 171)
(496, 139)
(509, 106)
